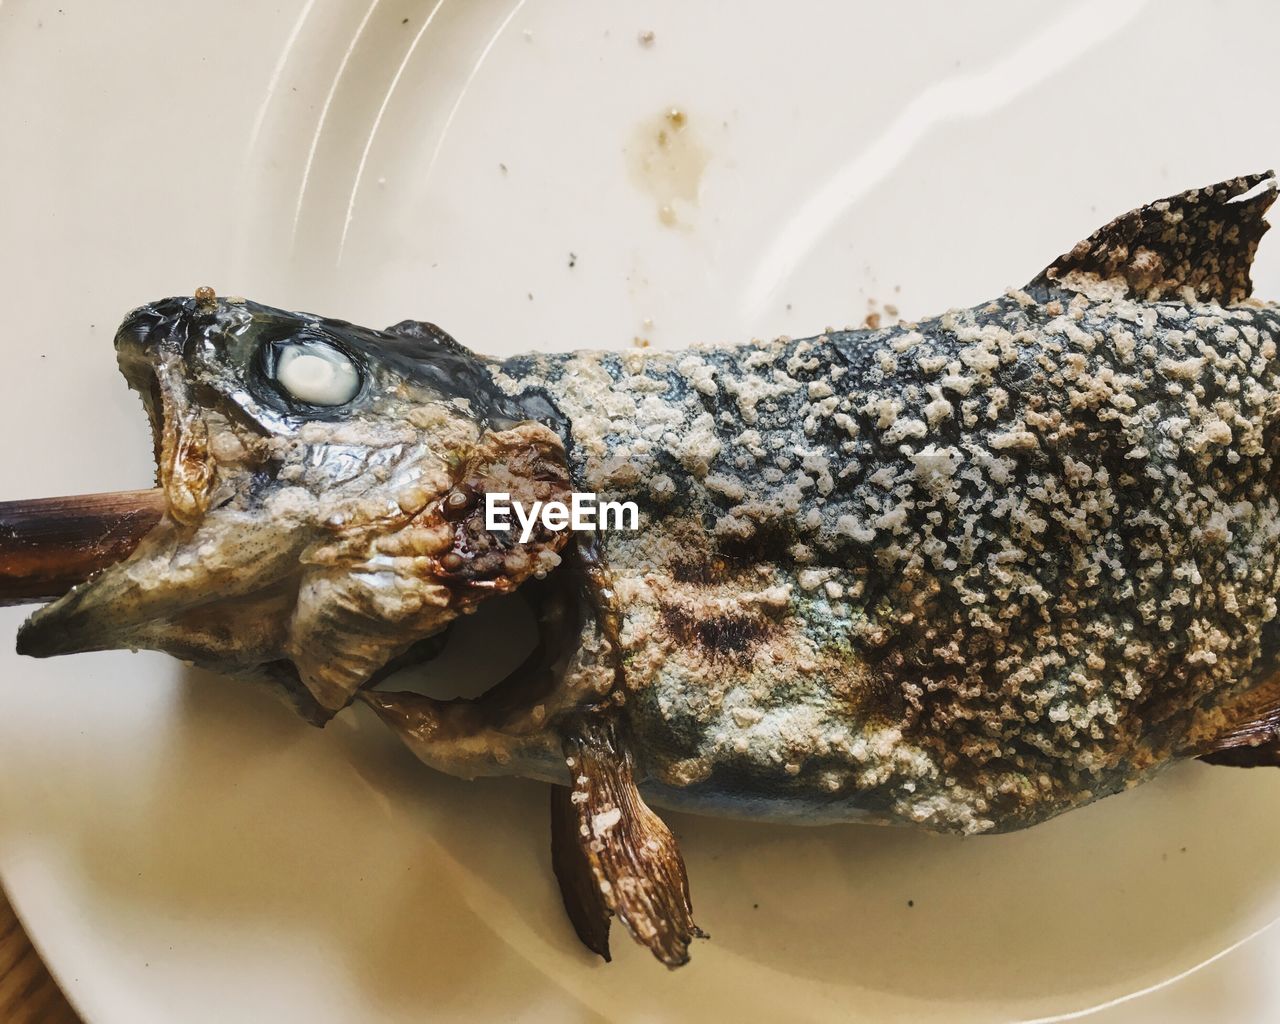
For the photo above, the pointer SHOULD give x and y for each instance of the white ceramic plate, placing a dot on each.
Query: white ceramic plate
(184, 849)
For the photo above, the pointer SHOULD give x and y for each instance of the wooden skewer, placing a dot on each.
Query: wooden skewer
(48, 545)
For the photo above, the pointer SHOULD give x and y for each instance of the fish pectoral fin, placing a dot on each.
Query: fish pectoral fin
(613, 855)
(1202, 240)
(452, 736)
(588, 912)
(1251, 736)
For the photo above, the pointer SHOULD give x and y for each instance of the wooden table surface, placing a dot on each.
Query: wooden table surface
(27, 994)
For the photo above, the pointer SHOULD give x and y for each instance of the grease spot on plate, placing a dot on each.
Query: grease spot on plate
(666, 160)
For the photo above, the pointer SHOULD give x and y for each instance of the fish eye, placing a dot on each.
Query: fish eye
(316, 373)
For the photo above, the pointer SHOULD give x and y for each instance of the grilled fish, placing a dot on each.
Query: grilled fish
(962, 574)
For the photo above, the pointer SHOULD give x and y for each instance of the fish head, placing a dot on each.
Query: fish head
(323, 491)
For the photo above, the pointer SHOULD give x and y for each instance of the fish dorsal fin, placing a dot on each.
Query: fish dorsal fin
(1196, 246)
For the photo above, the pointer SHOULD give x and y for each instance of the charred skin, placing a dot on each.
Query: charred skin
(962, 574)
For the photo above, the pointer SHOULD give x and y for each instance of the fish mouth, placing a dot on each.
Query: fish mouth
(75, 552)
(148, 351)
(48, 546)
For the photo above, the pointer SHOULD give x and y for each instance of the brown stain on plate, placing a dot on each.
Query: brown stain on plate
(667, 161)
